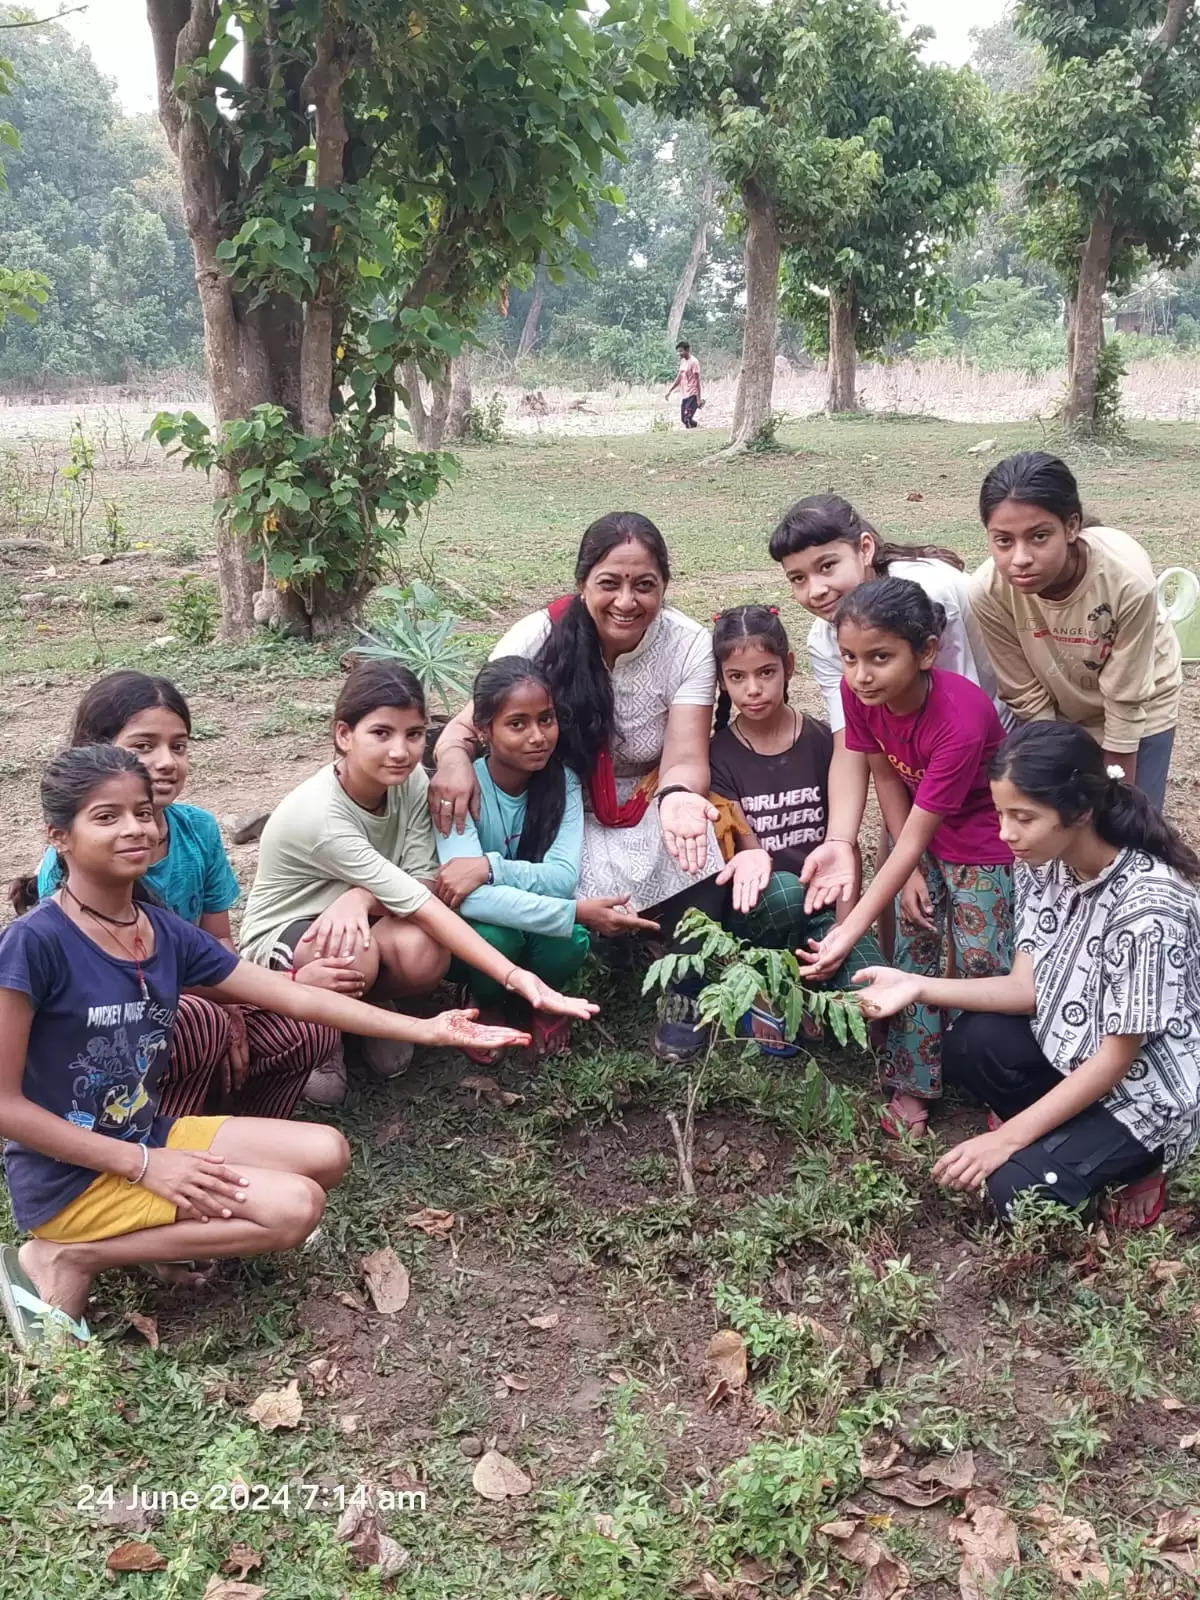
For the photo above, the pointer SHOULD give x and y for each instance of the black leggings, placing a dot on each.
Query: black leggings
(998, 1059)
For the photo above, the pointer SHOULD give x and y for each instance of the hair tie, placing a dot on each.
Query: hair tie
(717, 615)
(774, 610)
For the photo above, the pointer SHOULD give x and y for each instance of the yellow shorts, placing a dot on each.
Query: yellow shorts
(112, 1206)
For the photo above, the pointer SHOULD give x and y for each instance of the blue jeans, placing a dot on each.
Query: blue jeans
(1153, 761)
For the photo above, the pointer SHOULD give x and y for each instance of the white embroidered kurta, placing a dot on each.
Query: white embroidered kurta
(1119, 955)
(671, 665)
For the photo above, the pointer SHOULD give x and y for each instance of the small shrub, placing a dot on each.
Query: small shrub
(485, 424)
(1112, 1349)
(797, 1373)
(116, 539)
(889, 1304)
(182, 549)
(775, 1497)
(765, 439)
(1110, 369)
(415, 629)
(194, 610)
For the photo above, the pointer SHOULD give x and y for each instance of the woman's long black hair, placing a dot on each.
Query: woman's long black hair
(546, 796)
(580, 684)
(1034, 478)
(825, 518)
(117, 698)
(741, 625)
(1061, 765)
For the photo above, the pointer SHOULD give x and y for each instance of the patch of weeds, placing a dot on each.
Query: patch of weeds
(1032, 1250)
(654, 1170)
(193, 610)
(115, 539)
(765, 438)
(583, 1084)
(889, 1304)
(1112, 1350)
(1076, 1439)
(941, 1430)
(485, 424)
(204, 728)
(774, 1498)
(648, 1238)
(182, 549)
(797, 1375)
(746, 1258)
(805, 1104)
(827, 1205)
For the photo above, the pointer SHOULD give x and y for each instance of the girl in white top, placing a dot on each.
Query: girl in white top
(1088, 1052)
(826, 549)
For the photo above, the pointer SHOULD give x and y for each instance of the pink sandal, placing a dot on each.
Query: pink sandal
(1113, 1209)
(994, 1123)
(896, 1122)
(551, 1035)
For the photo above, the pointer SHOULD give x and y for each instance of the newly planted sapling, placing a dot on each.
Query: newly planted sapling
(742, 975)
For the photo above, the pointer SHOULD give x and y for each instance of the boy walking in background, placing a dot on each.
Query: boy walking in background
(687, 381)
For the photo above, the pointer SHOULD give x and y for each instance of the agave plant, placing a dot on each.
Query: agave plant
(419, 632)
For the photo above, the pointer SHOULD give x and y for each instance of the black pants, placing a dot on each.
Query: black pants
(998, 1059)
(687, 411)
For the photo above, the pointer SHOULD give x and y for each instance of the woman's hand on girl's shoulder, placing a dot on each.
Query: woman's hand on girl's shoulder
(196, 1182)
(831, 875)
(750, 871)
(685, 819)
(453, 792)
(460, 877)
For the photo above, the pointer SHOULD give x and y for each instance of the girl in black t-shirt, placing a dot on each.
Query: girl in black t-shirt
(772, 762)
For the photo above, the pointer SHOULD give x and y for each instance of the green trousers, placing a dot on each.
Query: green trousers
(780, 922)
(555, 961)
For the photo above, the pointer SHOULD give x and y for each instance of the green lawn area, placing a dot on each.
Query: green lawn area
(565, 1319)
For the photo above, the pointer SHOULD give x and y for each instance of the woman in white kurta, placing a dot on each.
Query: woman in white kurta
(634, 684)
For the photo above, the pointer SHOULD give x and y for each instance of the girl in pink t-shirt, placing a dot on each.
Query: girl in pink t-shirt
(928, 737)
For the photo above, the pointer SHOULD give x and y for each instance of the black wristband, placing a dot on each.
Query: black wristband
(672, 788)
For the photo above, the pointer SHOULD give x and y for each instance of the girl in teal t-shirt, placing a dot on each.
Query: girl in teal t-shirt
(514, 873)
(258, 1061)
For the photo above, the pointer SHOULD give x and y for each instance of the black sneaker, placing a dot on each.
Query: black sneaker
(680, 1036)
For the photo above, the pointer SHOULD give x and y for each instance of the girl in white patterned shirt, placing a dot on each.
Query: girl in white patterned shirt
(1088, 1052)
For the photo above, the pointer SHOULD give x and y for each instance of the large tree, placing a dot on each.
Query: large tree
(368, 180)
(879, 270)
(758, 75)
(1109, 142)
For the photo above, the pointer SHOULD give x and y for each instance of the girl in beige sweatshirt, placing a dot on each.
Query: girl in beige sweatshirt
(1071, 619)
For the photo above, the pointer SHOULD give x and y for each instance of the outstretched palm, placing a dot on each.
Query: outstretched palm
(458, 1029)
(886, 990)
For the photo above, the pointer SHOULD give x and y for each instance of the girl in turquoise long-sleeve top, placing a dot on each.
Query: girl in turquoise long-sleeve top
(514, 872)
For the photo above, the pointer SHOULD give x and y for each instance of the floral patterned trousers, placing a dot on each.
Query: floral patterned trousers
(973, 906)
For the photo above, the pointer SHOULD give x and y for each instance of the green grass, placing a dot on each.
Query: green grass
(873, 1303)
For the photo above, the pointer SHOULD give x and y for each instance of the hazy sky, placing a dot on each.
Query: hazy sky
(119, 37)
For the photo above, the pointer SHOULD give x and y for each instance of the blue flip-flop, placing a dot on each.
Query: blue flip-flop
(32, 1320)
(775, 1042)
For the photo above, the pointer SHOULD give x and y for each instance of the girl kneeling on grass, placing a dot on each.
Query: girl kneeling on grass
(346, 869)
(773, 763)
(513, 873)
(1088, 1052)
(263, 1060)
(928, 737)
(90, 982)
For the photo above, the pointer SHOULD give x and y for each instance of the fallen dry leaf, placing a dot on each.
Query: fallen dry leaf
(437, 1224)
(488, 1089)
(135, 1557)
(511, 1381)
(359, 1527)
(240, 1560)
(1190, 1441)
(1175, 1529)
(386, 1278)
(1165, 1271)
(146, 1326)
(885, 1577)
(1070, 1547)
(936, 1481)
(756, 1161)
(496, 1477)
(230, 1589)
(278, 1408)
(724, 1366)
(987, 1537)
(1169, 1403)
(351, 1300)
(324, 1374)
(548, 1320)
(876, 1458)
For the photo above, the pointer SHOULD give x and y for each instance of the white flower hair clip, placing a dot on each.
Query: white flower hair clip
(1116, 772)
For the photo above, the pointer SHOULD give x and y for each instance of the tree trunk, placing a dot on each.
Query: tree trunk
(1087, 324)
(757, 377)
(694, 262)
(533, 316)
(460, 396)
(322, 91)
(428, 422)
(1069, 326)
(843, 354)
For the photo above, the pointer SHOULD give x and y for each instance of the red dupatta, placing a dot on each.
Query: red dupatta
(601, 780)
